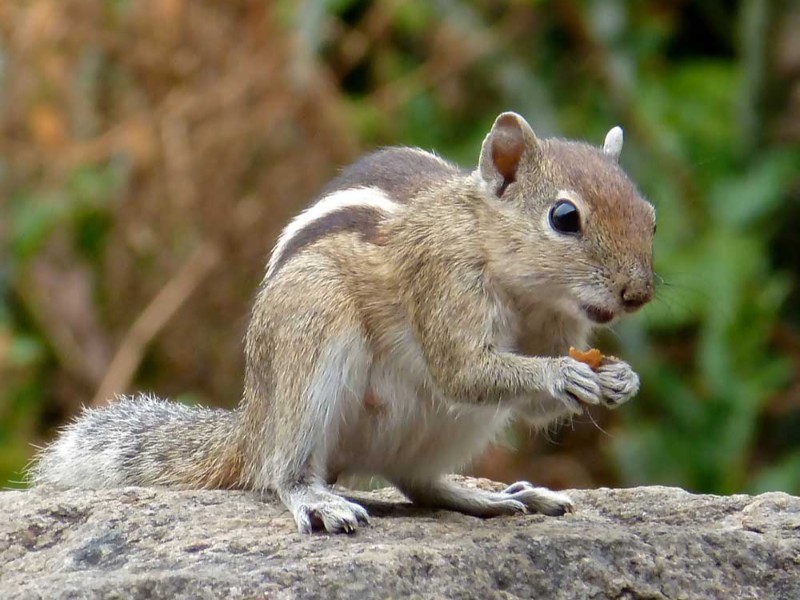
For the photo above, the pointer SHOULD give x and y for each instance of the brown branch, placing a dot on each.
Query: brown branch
(153, 319)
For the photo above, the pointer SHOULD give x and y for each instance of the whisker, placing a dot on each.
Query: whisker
(597, 425)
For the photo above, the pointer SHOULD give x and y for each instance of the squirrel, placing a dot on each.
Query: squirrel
(404, 319)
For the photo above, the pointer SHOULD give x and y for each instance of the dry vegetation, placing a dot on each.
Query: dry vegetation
(198, 133)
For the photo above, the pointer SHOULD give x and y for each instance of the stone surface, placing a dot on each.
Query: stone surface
(631, 543)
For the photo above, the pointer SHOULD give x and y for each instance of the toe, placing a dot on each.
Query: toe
(517, 487)
(303, 520)
(510, 507)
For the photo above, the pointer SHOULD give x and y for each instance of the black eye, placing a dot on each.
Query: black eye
(565, 218)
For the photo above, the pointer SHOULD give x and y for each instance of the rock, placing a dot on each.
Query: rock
(651, 542)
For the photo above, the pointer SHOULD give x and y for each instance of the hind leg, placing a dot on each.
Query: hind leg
(521, 497)
(300, 461)
(295, 404)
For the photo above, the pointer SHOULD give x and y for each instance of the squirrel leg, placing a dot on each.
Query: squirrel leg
(296, 408)
(520, 497)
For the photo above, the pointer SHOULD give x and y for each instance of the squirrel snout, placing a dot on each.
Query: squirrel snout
(636, 294)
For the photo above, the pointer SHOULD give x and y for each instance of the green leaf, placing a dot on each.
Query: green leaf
(32, 220)
(784, 476)
(742, 199)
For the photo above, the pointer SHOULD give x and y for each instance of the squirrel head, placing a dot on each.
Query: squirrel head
(568, 223)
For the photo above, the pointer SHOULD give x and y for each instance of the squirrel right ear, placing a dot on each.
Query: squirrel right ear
(510, 139)
(612, 146)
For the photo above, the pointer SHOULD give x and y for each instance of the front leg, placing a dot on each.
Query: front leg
(618, 383)
(519, 498)
(454, 322)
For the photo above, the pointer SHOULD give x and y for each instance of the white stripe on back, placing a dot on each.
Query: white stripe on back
(353, 197)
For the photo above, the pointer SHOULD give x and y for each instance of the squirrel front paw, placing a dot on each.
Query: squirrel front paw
(334, 515)
(574, 383)
(317, 509)
(618, 382)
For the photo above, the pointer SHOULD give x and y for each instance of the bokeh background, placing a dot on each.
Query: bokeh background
(151, 150)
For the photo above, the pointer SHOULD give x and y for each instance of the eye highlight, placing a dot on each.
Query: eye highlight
(565, 218)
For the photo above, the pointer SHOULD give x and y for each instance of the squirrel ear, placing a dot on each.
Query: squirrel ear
(613, 145)
(509, 140)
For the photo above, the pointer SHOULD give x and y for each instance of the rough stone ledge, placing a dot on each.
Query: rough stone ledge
(651, 542)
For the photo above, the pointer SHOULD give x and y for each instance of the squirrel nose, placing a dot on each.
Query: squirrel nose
(636, 295)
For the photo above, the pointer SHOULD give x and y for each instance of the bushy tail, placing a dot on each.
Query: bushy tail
(144, 441)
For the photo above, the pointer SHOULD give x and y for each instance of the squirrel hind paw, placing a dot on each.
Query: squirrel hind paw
(539, 499)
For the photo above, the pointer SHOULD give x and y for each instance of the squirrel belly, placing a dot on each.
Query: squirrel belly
(404, 319)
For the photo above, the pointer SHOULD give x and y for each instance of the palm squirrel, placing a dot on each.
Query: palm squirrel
(404, 319)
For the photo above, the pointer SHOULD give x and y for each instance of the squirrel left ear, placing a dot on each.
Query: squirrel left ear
(612, 147)
(510, 139)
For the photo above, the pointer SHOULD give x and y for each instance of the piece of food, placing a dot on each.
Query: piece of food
(592, 357)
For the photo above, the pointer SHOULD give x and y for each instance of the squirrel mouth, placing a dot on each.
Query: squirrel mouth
(597, 314)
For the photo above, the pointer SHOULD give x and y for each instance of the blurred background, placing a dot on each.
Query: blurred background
(151, 150)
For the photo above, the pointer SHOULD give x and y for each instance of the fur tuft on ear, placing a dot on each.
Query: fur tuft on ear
(510, 139)
(613, 145)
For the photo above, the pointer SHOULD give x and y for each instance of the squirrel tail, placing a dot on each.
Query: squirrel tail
(144, 441)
